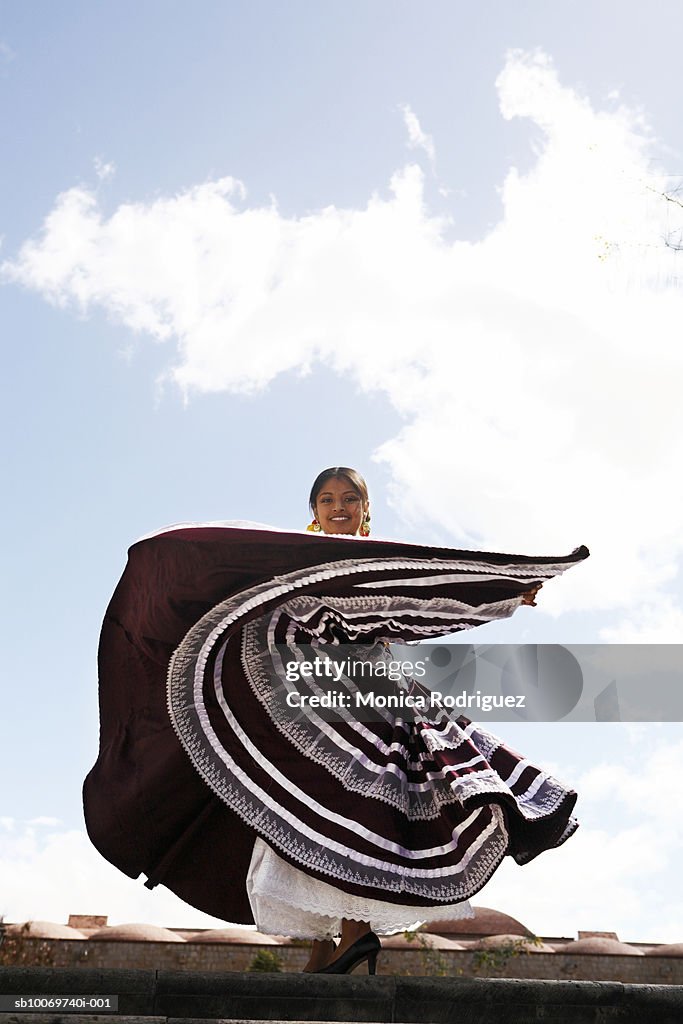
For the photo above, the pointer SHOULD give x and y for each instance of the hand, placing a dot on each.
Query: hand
(530, 596)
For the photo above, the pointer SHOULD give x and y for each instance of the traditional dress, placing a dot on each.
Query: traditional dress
(207, 784)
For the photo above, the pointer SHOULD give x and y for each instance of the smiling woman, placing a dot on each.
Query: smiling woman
(339, 502)
(310, 827)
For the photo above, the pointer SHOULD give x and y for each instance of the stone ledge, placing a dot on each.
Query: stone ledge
(80, 1018)
(189, 997)
(136, 989)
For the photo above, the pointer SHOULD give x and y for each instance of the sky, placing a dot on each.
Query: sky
(244, 241)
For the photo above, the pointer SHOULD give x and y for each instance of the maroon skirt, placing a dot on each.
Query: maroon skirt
(199, 755)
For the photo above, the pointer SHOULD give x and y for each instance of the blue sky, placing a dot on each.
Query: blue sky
(245, 241)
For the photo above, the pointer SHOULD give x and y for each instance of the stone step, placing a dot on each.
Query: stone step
(193, 997)
(75, 1018)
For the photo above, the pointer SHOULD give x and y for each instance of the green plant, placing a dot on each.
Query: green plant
(497, 958)
(265, 960)
(23, 950)
(433, 963)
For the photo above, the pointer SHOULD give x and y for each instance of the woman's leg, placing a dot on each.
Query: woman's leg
(322, 952)
(351, 932)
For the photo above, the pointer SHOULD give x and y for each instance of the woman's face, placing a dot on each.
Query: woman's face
(339, 507)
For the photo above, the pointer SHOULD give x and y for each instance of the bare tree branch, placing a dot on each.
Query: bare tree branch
(669, 196)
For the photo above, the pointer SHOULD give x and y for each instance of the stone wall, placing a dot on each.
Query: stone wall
(204, 956)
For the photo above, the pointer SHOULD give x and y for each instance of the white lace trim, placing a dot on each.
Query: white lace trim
(286, 901)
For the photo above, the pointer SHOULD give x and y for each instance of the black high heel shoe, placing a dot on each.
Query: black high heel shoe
(365, 948)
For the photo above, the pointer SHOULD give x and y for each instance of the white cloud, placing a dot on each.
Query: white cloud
(105, 170)
(660, 623)
(417, 139)
(537, 369)
(643, 788)
(49, 875)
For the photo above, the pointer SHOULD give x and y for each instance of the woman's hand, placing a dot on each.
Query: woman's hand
(530, 596)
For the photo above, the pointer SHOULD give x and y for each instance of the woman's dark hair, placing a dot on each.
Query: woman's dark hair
(352, 475)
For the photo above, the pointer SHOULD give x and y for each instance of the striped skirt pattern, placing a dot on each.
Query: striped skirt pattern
(414, 811)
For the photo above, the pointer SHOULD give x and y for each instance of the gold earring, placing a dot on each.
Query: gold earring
(364, 530)
(314, 527)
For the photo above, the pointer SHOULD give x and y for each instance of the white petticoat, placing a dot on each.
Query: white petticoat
(286, 901)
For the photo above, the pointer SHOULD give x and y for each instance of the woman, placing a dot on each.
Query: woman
(208, 783)
(340, 505)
